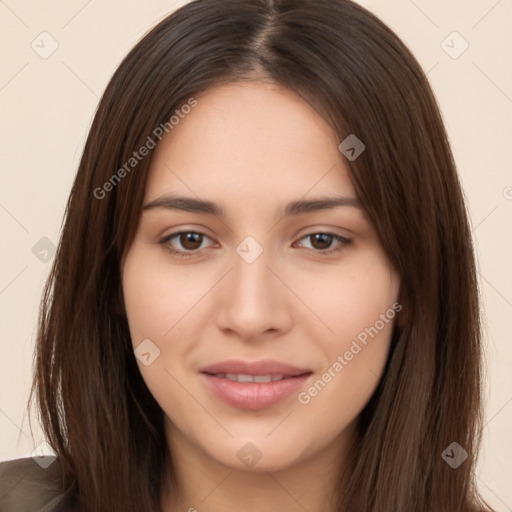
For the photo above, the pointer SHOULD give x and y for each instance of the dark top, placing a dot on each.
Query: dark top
(27, 485)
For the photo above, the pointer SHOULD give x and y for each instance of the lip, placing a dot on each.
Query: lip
(262, 367)
(254, 395)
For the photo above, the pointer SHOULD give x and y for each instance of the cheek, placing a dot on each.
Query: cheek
(351, 298)
(157, 297)
(156, 306)
(166, 305)
(359, 306)
(145, 299)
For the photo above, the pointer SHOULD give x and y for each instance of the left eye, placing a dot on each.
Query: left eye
(192, 241)
(322, 242)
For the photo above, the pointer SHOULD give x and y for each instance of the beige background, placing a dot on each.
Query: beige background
(47, 106)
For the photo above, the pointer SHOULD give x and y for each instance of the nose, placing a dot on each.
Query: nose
(252, 301)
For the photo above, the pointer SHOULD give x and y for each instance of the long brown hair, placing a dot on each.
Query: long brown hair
(96, 410)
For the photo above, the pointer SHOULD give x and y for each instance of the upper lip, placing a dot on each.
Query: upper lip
(263, 367)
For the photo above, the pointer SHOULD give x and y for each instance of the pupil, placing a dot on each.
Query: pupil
(190, 240)
(193, 240)
(325, 240)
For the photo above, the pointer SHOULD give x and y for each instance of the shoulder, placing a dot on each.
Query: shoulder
(30, 485)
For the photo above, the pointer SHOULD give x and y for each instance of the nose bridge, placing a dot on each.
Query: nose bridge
(251, 279)
(251, 276)
(252, 298)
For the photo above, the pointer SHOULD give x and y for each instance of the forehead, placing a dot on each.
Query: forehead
(248, 143)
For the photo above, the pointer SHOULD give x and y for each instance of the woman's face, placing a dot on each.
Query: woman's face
(263, 329)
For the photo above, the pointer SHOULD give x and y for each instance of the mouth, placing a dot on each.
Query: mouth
(242, 377)
(256, 385)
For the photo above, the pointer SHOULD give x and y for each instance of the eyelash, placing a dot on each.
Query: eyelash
(187, 254)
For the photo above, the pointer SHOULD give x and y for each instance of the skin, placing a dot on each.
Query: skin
(252, 148)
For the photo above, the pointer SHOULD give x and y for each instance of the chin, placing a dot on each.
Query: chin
(257, 454)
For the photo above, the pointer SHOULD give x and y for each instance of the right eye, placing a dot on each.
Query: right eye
(190, 241)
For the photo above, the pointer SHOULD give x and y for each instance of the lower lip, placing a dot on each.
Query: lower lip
(254, 395)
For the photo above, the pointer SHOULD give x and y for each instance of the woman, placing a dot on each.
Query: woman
(264, 296)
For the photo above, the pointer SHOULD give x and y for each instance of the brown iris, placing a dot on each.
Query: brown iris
(324, 239)
(191, 241)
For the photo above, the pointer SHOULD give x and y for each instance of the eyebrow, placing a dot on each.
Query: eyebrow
(299, 207)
